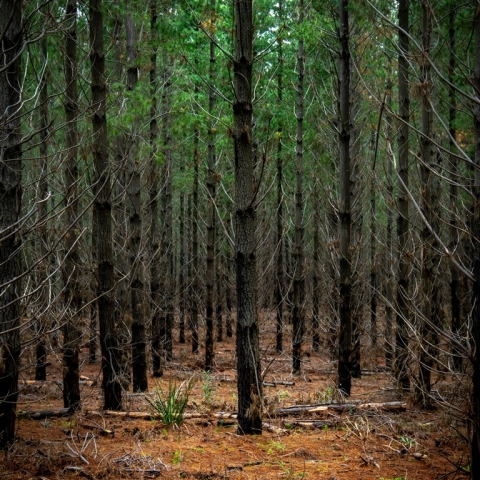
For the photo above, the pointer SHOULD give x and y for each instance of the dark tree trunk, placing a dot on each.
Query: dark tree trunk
(194, 290)
(40, 324)
(103, 212)
(218, 278)
(403, 312)
(316, 294)
(10, 211)
(429, 197)
(475, 332)
(155, 293)
(298, 314)
(137, 294)
(121, 233)
(454, 238)
(71, 273)
(279, 266)
(182, 280)
(210, 272)
(345, 334)
(389, 261)
(168, 254)
(248, 362)
(373, 258)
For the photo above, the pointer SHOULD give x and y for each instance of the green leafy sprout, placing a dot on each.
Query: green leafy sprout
(171, 403)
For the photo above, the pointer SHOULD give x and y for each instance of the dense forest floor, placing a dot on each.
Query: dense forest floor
(357, 443)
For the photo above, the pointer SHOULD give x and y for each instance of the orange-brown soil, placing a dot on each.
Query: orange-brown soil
(369, 444)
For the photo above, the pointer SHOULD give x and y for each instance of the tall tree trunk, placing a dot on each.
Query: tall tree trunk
(168, 254)
(210, 272)
(298, 315)
(316, 294)
(137, 294)
(218, 277)
(403, 312)
(345, 334)
(430, 260)
(182, 280)
(248, 361)
(454, 238)
(475, 332)
(389, 261)
(194, 290)
(103, 212)
(40, 322)
(71, 273)
(279, 265)
(373, 255)
(121, 230)
(10, 211)
(155, 293)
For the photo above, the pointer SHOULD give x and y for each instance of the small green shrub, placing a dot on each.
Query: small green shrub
(170, 404)
(208, 388)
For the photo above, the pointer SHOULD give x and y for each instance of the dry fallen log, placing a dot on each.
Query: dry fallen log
(311, 424)
(274, 384)
(338, 407)
(139, 415)
(42, 414)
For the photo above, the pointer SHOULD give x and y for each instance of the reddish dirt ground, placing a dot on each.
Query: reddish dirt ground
(357, 444)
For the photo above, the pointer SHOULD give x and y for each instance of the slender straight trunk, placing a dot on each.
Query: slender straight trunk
(182, 279)
(249, 383)
(298, 314)
(228, 293)
(121, 231)
(103, 212)
(155, 292)
(373, 257)
(389, 261)
(137, 294)
(475, 332)
(454, 238)
(402, 310)
(168, 253)
(40, 323)
(429, 197)
(71, 273)
(210, 272)
(345, 334)
(10, 211)
(279, 266)
(194, 291)
(218, 278)
(316, 295)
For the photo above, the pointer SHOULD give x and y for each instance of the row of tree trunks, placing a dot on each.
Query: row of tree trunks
(11, 17)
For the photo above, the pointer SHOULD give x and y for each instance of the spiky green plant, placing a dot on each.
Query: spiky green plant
(171, 403)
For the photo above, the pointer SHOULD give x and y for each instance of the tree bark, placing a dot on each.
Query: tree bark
(475, 332)
(248, 361)
(210, 272)
(403, 312)
(454, 237)
(137, 293)
(155, 293)
(279, 288)
(429, 202)
(298, 314)
(389, 261)
(40, 325)
(345, 334)
(10, 211)
(71, 274)
(103, 212)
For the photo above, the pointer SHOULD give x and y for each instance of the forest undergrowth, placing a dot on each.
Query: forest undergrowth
(309, 432)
